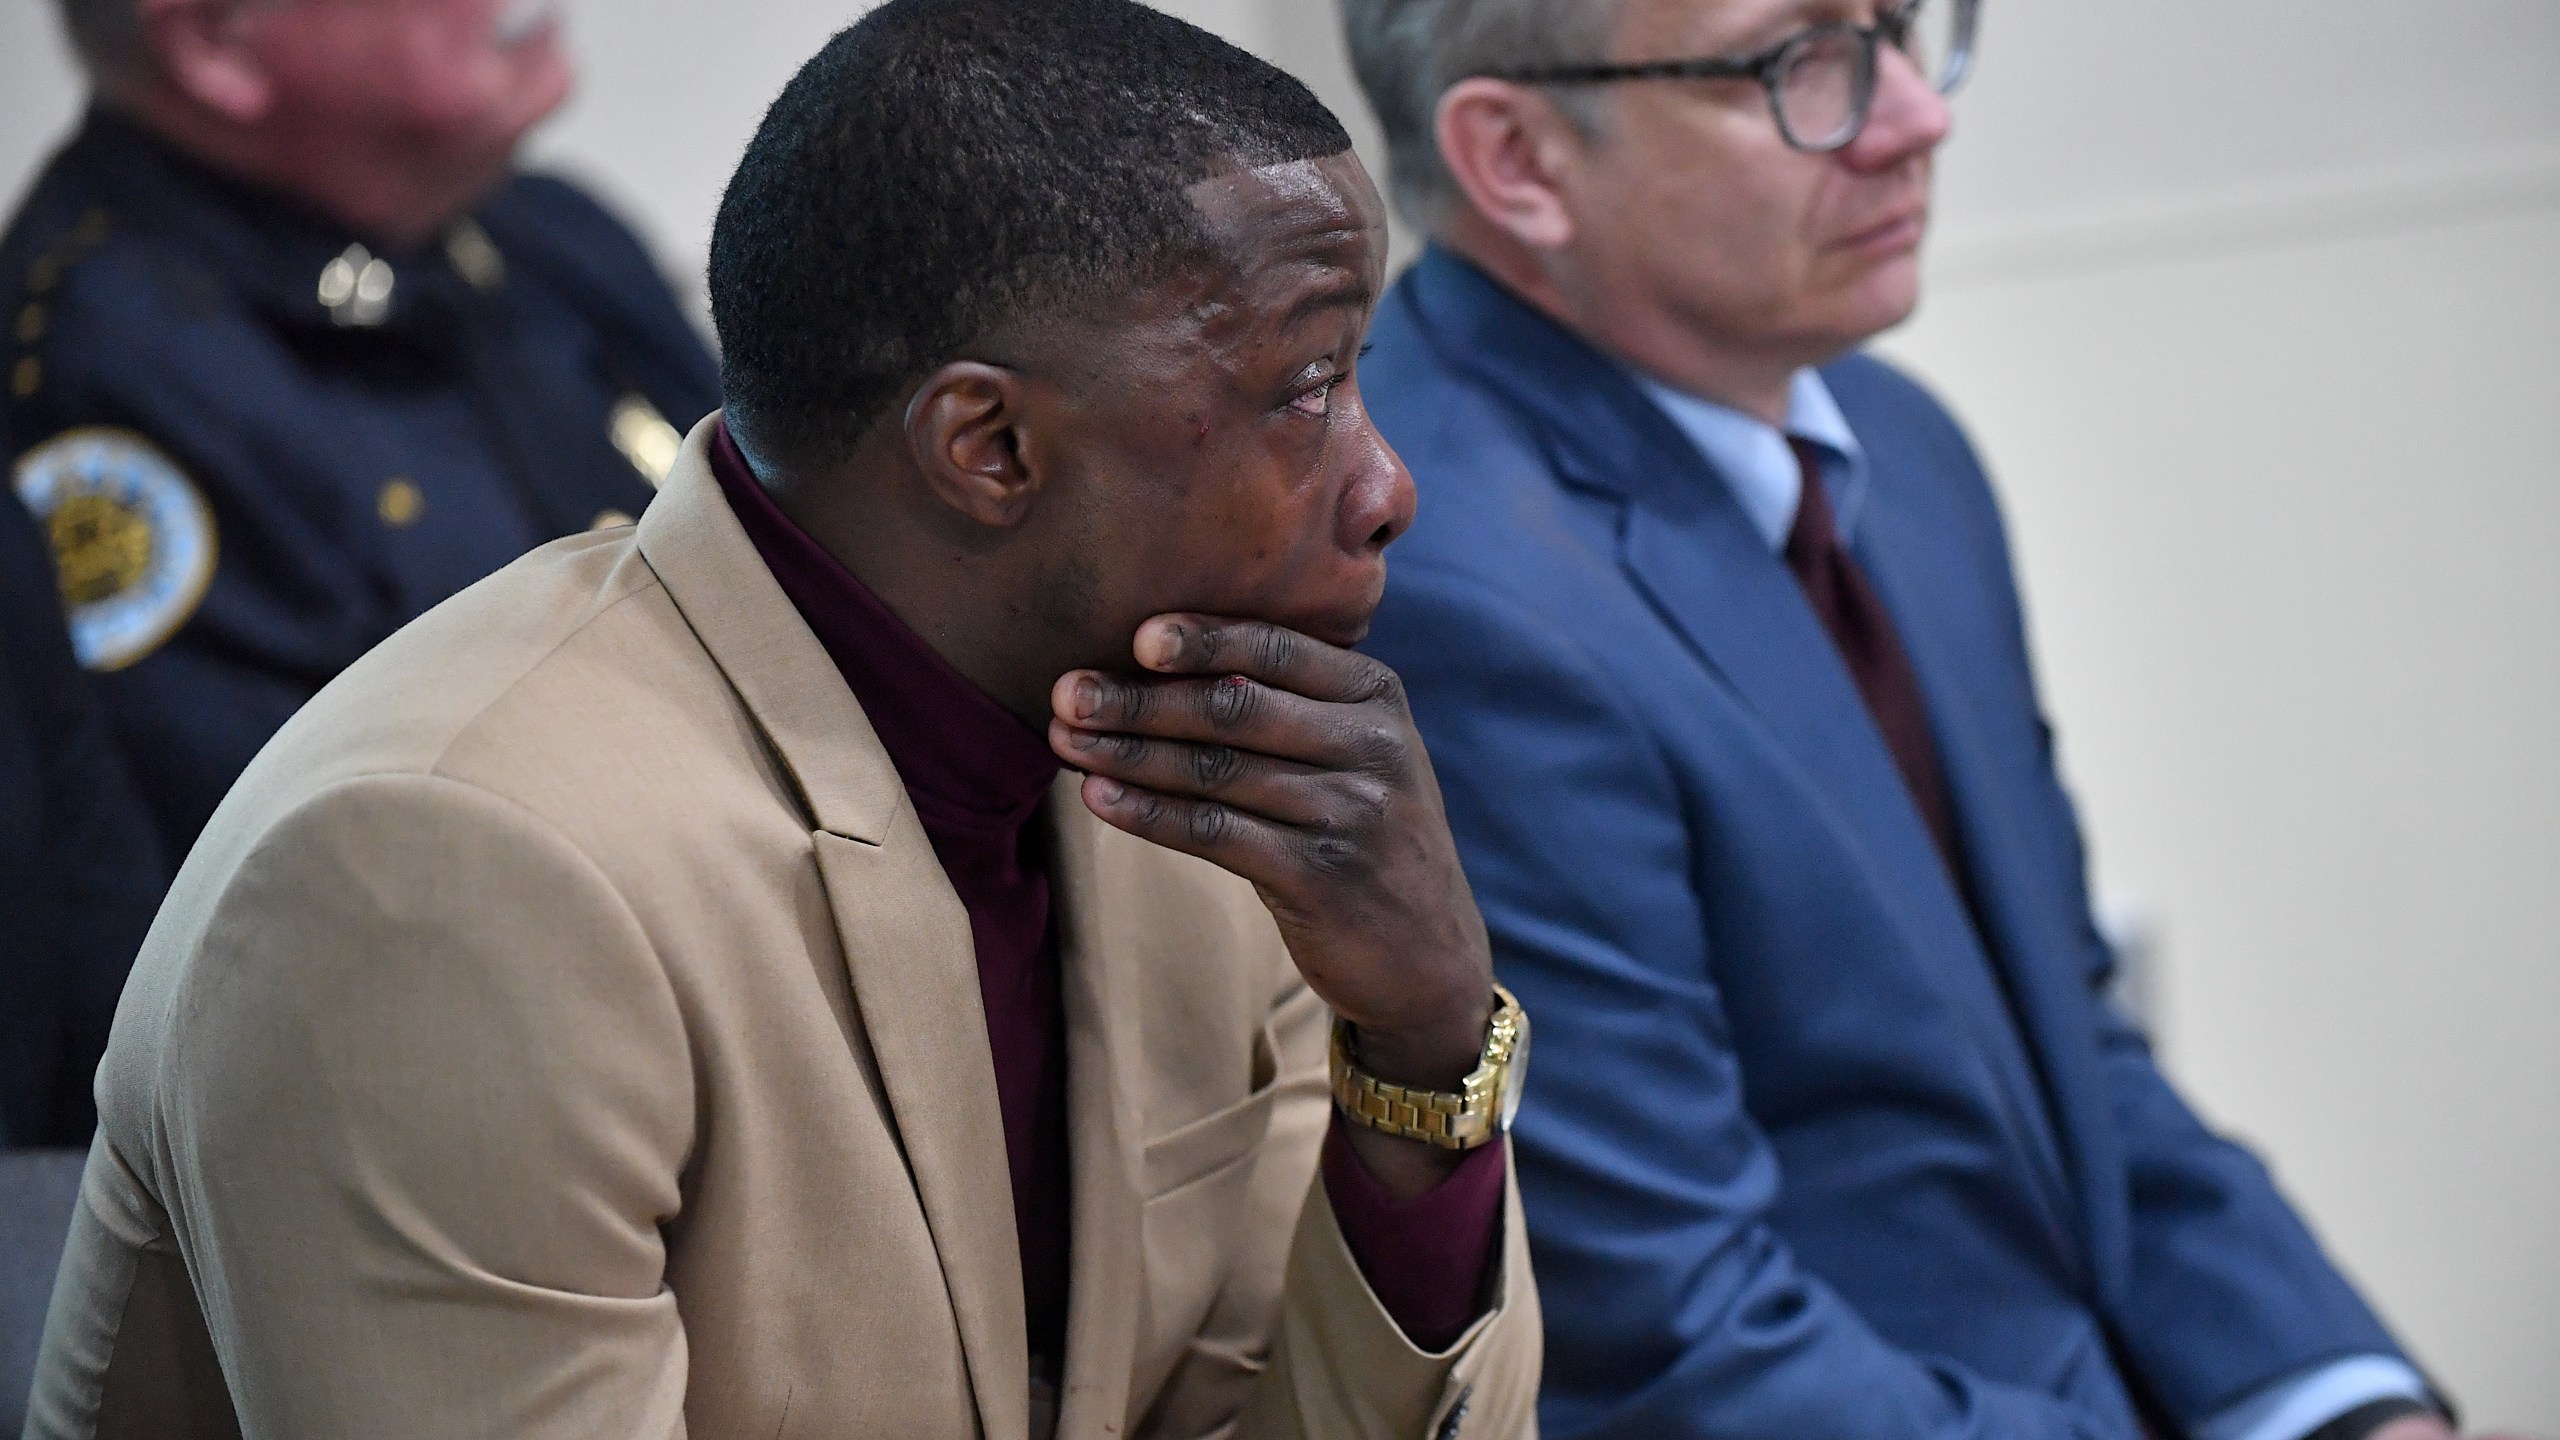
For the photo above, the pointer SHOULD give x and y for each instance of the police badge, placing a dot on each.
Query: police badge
(132, 539)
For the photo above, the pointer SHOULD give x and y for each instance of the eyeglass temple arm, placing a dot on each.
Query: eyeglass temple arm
(1636, 70)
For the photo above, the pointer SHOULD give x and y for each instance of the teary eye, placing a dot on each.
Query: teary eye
(1317, 401)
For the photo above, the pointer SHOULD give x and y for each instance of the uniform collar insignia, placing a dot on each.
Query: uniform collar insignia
(355, 288)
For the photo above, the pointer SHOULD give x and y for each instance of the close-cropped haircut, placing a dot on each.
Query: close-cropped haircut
(1408, 53)
(944, 168)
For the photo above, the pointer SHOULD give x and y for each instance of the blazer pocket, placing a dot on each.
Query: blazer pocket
(1220, 1139)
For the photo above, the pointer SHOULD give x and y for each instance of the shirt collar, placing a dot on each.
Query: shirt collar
(966, 761)
(266, 248)
(1756, 463)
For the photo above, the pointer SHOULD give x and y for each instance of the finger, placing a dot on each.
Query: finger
(1230, 710)
(1228, 838)
(1280, 790)
(1273, 654)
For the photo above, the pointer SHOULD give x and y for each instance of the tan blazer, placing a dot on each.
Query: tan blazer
(564, 1029)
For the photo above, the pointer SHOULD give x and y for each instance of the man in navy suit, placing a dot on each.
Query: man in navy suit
(1710, 626)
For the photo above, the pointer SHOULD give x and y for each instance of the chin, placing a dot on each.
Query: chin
(1341, 625)
(1345, 636)
(1858, 318)
(1347, 628)
(1892, 293)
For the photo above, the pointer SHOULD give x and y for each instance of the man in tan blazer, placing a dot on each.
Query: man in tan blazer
(671, 989)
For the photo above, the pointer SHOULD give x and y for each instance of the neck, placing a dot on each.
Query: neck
(971, 600)
(387, 194)
(1636, 334)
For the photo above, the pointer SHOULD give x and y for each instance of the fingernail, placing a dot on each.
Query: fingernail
(1159, 643)
(1088, 697)
(1082, 739)
(1109, 791)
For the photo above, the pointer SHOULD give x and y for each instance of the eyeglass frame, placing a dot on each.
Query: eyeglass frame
(1763, 66)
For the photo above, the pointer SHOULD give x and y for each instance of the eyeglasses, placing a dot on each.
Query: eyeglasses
(1821, 81)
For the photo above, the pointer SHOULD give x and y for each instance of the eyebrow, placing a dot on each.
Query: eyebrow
(1781, 21)
(1350, 293)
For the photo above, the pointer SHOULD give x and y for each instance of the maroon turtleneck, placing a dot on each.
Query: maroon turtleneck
(978, 776)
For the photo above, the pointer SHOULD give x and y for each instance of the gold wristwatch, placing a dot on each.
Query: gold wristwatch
(1480, 1109)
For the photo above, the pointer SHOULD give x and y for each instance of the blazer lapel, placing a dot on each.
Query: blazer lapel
(2014, 907)
(1712, 576)
(1694, 554)
(1105, 1266)
(906, 937)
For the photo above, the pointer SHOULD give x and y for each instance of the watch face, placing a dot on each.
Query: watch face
(1516, 1074)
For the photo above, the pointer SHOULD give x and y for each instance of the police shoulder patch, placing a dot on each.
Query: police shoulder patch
(132, 539)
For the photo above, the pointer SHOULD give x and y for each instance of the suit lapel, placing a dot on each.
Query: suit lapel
(1104, 1294)
(1712, 576)
(915, 980)
(2014, 907)
(1693, 553)
(906, 937)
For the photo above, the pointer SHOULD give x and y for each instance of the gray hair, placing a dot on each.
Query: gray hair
(106, 33)
(1408, 53)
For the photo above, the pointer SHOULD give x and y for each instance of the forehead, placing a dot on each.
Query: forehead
(1278, 233)
(1693, 27)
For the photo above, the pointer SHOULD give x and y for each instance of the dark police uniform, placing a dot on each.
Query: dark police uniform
(79, 872)
(258, 447)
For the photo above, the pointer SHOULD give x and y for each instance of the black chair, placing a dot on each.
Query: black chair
(38, 1189)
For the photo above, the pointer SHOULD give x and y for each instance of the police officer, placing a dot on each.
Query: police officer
(79, 872)
(294, 353)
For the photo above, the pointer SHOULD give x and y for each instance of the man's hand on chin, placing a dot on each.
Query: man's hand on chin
(1294, 764)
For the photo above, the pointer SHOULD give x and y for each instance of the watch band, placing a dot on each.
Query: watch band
(1462, 1119)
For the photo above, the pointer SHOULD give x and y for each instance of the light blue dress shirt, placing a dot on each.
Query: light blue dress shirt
(1760, 467)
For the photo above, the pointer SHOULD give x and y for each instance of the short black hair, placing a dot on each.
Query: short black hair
(944, 167)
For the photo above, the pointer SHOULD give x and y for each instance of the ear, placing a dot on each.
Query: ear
(202, 49)
(1509, 150)
(963, 428)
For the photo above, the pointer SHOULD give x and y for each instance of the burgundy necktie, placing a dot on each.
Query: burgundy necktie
(1863, 634)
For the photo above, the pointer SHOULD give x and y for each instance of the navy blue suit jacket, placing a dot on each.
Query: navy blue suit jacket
(1807, 1152)
(352, 477)
(80, 873)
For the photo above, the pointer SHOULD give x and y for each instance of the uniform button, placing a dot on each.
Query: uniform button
(356, 288)
(31, 325)
(24, 380)
(400, 503)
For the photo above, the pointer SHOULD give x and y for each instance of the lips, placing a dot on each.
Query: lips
(1901, 229)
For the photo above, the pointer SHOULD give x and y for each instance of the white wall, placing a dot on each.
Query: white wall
(2254, 308)
(38, 94)
(2285, 510)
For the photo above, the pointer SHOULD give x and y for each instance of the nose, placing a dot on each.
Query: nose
(1379, 501)
(1908, 117)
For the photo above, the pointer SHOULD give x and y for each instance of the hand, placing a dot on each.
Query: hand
(1294, 764)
